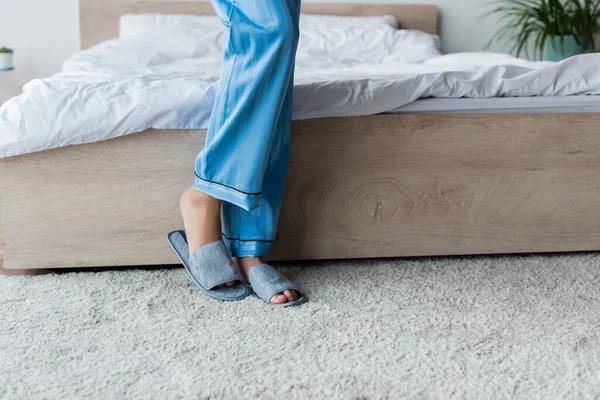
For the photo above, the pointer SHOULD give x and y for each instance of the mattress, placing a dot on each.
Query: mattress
(168, 80)
(503, 105)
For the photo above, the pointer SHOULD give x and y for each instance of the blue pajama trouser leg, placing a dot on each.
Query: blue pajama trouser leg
(245, 158)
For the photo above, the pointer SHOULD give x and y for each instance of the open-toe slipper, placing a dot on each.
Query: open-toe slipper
(266, 282)
(209, 267)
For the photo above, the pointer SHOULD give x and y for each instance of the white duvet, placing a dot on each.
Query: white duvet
(167, 79)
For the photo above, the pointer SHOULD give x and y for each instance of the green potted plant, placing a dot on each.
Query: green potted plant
(563, 28)
(6, 58)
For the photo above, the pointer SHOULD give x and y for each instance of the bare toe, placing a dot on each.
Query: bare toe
(279, 299)
(292, 295)
(229, 283)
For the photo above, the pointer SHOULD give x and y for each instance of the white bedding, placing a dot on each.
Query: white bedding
(167, 79)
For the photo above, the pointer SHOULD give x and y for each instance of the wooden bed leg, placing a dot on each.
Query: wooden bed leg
(18, 272)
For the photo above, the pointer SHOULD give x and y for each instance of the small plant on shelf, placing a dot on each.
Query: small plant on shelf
(6, 58)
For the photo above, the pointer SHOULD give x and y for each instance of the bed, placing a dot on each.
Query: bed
(419, 180)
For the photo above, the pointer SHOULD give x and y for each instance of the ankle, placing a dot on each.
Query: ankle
(201, 218)
(248, 262)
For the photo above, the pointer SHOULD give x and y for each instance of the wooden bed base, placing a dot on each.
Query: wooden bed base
(374, 186)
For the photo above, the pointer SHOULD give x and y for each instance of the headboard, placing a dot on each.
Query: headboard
(99, 19)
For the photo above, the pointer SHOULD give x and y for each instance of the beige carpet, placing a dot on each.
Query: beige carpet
(518, 327)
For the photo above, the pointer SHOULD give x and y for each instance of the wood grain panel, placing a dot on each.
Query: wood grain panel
(99, 19)
(374, 186)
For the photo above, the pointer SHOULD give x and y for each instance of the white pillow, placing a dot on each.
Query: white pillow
(132, 24)
(315, 21)
(135, 24)
(330, 37)
(362, 40)
(369, 44)
(411, 45)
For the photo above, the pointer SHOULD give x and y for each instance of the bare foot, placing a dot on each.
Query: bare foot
(201, 219)
(244, 265)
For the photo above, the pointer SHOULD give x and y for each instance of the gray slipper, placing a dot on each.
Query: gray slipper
(266, 282)
(210, 266)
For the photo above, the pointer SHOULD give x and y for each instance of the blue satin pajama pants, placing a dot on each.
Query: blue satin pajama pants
(245, 158)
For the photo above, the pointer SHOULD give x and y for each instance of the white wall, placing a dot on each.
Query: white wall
(45, 32)
(42, 32)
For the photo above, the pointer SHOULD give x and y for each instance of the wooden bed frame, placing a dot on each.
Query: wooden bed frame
(372, 186)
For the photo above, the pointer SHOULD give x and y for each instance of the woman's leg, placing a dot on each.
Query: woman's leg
(249, 235)
(252, 233)
(261, 41)
(260, 45)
